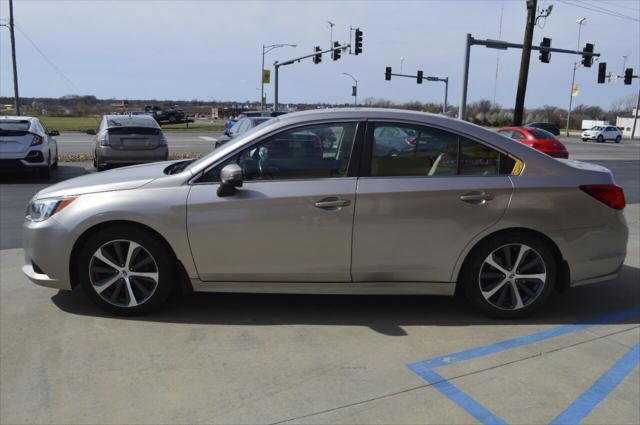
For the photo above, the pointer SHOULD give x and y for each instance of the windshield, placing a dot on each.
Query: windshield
(596, 128)
(541, 134)
(241, 137)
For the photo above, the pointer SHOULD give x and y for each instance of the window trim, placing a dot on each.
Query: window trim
(367, 151)
(352, 166)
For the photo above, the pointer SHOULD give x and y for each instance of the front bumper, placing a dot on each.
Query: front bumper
(590, 136)
(47, 245)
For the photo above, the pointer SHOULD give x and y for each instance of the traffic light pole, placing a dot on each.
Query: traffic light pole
(277, 66)
(501, 45)
(445, 80)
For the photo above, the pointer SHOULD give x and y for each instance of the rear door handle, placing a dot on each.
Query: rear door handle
(476, 197)
(332, 203)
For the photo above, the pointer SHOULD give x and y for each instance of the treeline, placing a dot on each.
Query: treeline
(485, 112)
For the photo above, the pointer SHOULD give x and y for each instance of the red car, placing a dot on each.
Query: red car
(538, 139)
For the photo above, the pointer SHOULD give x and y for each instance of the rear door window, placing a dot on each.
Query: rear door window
(424, 151)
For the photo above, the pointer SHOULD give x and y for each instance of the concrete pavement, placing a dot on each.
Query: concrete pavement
(231, 358)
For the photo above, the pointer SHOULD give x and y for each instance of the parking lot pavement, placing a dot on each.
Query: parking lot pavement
(233, 358)
(178, 141)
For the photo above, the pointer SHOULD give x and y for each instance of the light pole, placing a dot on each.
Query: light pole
(331, 25)
(265, 50)
(355, 102)
(401, 62)
(580, 22)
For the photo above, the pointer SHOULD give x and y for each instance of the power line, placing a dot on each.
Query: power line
(610, 3)
(615, 15)
(604, 9)
(49, 61)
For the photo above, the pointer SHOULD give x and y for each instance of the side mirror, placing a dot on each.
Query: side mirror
(91, 132)
(54, 133)
(230, 179)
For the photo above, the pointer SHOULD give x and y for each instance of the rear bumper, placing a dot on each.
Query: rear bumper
(594, 254)
(108, 155)
(31, 160)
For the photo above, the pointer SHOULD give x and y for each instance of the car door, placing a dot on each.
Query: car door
(292, 219)
(612, 132)
(416, 211)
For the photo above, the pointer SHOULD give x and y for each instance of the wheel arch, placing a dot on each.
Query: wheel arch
(184, 282)
(564, 272)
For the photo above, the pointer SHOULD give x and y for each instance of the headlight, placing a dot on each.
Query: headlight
(42, 209)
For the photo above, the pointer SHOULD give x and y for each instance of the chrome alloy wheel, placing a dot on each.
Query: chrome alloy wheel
(512, 276)
(123, 273)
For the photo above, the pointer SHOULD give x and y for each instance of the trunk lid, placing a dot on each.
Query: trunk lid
(134, 138)
(15, 141)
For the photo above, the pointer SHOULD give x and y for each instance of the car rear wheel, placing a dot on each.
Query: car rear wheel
(45, 172)
(509, 276)
(126, 271)
(618, 138)
(600, 139)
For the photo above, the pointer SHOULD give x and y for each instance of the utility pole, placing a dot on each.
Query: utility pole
(518, 113)
(16, 96)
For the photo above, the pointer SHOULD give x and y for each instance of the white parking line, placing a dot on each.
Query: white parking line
(209, 139)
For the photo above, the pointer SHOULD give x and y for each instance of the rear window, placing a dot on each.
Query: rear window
(134, 121)
(541, 134)
(17, 125)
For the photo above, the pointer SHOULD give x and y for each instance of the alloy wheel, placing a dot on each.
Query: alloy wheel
(123, 273)
(512, 276)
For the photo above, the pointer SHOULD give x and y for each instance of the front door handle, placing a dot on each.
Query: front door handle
(476, 197)
(332, 203)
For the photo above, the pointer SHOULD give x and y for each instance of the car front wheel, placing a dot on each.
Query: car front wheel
(509, 276)
(126, 271)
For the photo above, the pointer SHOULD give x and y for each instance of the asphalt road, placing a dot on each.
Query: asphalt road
(225, 358)
(178, 141)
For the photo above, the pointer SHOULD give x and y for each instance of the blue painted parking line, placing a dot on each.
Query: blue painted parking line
(579, 409)
(424, 368)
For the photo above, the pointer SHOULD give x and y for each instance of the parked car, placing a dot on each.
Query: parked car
(241, 126)
(548, 126)
(538, 139)
(26, 144)
(171, 115)
(278, 211)
(602, 134)
(128, 139)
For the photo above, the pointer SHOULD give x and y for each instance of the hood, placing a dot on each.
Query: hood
(118, 179)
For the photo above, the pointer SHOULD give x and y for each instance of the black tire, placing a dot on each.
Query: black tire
(618, 138)
(55, 163)
(600, 139)
(45, 172)
(470, 277)
(163, 261)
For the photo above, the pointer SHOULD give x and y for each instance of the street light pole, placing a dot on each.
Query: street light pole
(355, 103)
(266, 49)
(573, 77)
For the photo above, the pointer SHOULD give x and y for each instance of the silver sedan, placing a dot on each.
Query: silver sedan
(318, 202)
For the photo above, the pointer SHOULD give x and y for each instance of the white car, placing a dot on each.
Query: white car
(602, 134)
(26, 144)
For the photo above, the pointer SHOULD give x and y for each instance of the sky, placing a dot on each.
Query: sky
(211, 50)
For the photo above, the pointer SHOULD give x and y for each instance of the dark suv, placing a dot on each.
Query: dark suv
(550, 127)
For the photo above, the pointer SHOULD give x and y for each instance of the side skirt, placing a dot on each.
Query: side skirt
(364, 288)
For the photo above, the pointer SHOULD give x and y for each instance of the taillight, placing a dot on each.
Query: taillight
(103, 138)
(37, 140)
(163, 139)
(609, 194)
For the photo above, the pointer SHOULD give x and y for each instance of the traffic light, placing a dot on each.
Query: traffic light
(602, 72)
(628, 76)
(419, 77)
(587, 60)
(335, 53)
(387, 73)
(545, 55)
(317, 58)
(358, 46)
